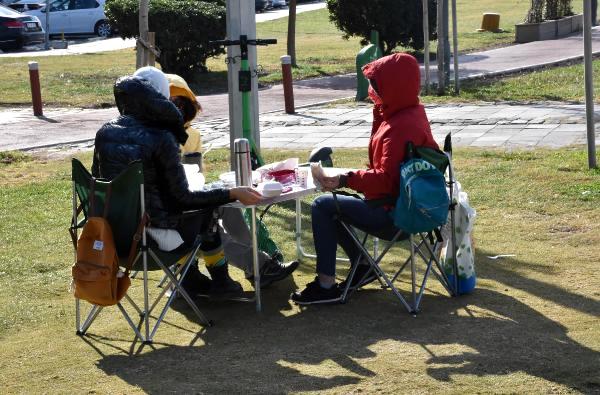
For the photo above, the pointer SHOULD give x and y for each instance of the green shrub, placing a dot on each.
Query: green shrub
(399, 22)
(183, 29)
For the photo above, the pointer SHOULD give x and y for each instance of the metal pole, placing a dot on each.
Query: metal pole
(589, 83)
(426, 42)
(47, 35)
(455, 47)
(446, 44)
(440, 47)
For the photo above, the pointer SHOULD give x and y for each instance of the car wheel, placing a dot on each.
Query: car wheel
(103, 29)
(18, 45)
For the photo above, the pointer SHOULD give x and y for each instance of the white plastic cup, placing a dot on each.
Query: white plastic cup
(302, 176)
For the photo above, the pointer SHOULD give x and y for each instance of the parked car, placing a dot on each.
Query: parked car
(76, 17)
(27, 5)
(278, 3)
(260, 5)
(17, 30)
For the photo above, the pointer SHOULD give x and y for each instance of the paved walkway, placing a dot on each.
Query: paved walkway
(549, 125)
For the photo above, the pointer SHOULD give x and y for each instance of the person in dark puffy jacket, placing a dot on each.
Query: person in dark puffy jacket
(398, 117)
(151, 129)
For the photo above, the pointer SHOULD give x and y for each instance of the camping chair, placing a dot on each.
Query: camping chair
(422, 246)
(125, 213)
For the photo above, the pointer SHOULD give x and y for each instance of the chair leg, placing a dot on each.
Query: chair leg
(89, 320)
(375, 263)
(180, 289)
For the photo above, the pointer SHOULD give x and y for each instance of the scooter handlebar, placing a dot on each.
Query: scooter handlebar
(258, 41)
(266, 41)
(224, 42)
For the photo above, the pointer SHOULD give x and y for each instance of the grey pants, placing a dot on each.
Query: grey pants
(237, 240)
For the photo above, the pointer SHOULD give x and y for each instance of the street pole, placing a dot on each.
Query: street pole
(426, 42)
(455, 47)
(241, 20)
(446, 44)
(47, 35)
(589, 83)
(440, 47)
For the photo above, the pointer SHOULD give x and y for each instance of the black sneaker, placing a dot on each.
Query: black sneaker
(359, 275)
(195, 283)
(274, 270)
(314, 293)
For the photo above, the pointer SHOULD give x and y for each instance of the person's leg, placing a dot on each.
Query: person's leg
(238, 249)
(237, 241)
(328, 233)
(206, 226)
(594, 12)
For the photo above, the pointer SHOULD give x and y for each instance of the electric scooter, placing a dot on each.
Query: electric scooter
(245, 86)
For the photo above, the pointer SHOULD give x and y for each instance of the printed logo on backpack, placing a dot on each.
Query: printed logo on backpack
(423, 202)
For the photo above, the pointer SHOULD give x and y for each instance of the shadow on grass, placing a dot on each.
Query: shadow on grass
(490, 332)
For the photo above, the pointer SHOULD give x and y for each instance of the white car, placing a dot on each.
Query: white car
(75, 16)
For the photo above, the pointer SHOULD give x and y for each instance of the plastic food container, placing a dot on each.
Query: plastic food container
(270, 188)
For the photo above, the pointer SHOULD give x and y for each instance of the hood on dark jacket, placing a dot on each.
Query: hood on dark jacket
(398, 81)
(137, 98)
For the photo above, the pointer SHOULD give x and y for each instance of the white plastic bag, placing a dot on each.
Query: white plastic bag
(465, 254)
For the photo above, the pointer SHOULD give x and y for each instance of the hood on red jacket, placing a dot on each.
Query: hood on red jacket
(398, 81)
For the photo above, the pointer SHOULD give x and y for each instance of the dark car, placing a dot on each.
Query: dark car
(260, 5)
(17, 30)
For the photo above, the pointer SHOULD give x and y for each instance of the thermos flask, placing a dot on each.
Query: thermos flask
(243, 169)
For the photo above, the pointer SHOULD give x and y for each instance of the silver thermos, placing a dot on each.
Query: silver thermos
(243, 169)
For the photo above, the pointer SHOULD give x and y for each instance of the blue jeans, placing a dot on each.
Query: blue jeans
(328, 233)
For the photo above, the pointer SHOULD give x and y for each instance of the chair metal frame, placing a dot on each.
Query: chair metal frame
(423, 246)
(174, 277)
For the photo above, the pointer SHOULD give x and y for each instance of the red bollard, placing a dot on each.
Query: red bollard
(36, 92)
(288, 89)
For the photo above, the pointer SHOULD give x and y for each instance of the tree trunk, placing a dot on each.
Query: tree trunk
(291, 34)
(142, 57)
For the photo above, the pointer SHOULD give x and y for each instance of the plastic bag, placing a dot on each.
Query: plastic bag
(465, 253)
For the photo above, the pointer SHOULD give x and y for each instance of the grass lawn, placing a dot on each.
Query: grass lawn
(530, 326)
(86, 80)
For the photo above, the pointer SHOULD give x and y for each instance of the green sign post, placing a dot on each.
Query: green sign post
(366, 55)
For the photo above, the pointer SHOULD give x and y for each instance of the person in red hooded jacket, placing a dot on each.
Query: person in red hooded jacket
(398, 117)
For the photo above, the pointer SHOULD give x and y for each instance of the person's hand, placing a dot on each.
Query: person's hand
(246, 195)
(328, 184)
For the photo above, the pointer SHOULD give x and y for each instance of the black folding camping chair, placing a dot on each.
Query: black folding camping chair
(423, 247)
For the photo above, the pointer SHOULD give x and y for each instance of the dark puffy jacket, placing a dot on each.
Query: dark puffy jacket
(150, 129)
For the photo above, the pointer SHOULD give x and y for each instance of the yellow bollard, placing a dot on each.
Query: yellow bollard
(490, 23)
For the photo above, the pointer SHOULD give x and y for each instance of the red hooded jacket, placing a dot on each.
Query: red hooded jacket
(398, 117)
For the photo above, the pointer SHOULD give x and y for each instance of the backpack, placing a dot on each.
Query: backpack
(96, 274)
(423, 202)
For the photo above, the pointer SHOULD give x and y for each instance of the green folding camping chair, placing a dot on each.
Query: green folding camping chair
(423, 247)
(126, 211)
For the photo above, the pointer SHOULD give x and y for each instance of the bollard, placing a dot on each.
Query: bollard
(490, 23)
(366, 55)
(288, 88)
(36, 92)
